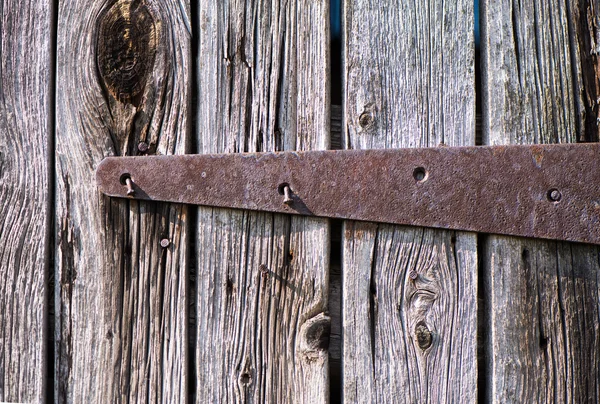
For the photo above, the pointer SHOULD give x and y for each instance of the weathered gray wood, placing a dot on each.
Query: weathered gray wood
(122, 78)
(543, 303)
(409, 70)
(262, 279)
(25, 129)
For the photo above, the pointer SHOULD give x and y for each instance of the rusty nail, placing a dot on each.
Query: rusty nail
(143, 147)
(413, 274)
(129, 183)
(287, 199)
(164, 243)
(554, 195)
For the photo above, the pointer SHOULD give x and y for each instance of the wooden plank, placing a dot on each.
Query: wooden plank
(540, 80)
(262, 279)
(122, 78)
(25, 127)
(409, 71)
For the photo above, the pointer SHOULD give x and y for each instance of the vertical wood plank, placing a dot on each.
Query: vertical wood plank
(540, 85)
(409, 294)
(122, 79)
(25, 129)
(262, 279)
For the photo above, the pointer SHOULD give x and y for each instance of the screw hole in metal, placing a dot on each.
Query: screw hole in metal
(124, 178)
(420, 174)
(281, 188)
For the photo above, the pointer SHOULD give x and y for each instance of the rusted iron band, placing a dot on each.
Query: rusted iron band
(541, 191)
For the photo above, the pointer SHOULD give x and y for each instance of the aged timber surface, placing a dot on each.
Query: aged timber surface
(122, 89)
(409, 294)
(25, 122)
(540, 85)
(262, 279)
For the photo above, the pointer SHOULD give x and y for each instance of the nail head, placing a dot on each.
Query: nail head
(554, 195)
(143, 147)
(287, 195)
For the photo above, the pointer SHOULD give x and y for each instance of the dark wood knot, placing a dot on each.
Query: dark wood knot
(424, 336)
(314, 336)
(126, 48)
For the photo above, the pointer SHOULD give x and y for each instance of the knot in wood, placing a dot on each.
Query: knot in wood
(314, 336)
(366, 119)
(246, 378)
(126, 48)
(424, 336)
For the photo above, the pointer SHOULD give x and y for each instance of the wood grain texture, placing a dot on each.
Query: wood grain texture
(409, 71)
(540, 78)
(122, 78)
(262, 279)
(25, 129)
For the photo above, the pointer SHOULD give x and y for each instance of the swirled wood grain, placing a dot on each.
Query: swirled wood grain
(126, 48)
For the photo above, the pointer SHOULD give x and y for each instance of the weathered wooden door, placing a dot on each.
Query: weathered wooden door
(105, 300)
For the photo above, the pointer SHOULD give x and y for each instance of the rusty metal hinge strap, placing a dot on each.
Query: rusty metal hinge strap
(541, 191)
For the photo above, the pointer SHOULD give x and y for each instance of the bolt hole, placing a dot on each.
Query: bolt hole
(281, 187)
(124, 178)
(420, 174)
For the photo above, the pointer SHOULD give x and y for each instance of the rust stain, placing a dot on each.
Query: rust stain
(538, 155)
